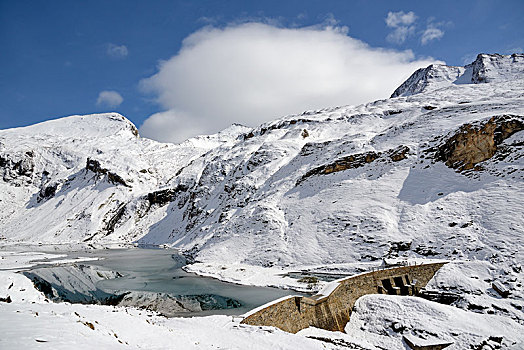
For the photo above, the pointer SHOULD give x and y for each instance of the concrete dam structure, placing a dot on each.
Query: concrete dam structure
(331, 308)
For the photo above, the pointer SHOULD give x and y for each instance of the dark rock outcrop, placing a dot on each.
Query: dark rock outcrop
(398, 154)
(94, 166)
(110, 227)
(6, 300)
(47, 192)
(275, 126)
(19, 166)
(356, 161)
(163, 197)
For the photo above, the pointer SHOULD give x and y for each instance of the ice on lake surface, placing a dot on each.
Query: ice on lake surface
(160, 271)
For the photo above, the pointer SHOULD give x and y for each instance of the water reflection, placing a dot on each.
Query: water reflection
(160, 271)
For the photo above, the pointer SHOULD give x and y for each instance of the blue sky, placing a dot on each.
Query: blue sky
(77, 57)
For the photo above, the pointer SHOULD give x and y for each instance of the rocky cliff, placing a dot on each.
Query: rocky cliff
(473, 144)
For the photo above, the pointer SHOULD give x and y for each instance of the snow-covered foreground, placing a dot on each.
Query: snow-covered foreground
(381, 322)
(30, 321)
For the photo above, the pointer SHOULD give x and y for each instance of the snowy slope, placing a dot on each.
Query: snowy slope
(252, 202)
(66, 180)
(384, 320)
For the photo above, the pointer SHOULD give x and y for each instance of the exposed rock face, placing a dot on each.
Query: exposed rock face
(398, 154)
(95, 167)
(353, 161)
(474, 144)
(110, 227)
(17, 168)
(48, 192)
(163, 197)
(357, 160)
(134, 131)
(265, 128)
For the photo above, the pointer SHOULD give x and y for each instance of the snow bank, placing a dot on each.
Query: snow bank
(382, 320)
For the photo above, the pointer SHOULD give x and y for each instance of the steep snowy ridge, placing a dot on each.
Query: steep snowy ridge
(485, 69)
(433, 77)
(493, 68)
(69, 179)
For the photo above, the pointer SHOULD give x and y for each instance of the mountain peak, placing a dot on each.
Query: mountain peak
(486, 68)
(494, 67)
(81, 126)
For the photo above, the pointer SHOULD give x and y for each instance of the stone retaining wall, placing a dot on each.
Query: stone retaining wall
(332, 311)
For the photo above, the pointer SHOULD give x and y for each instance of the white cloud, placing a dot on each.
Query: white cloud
(431, 33)
(109, 99)
(253, 72)
(117, 51)
(400, 34)
(173, 126)
(401, 18)
(403, 25)
(434, 30)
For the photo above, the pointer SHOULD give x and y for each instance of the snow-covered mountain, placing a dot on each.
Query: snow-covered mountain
(435, 171)
(485, 69)
(68, 180)
(334, 185)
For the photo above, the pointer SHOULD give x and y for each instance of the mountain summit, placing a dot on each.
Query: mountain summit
(486, 68)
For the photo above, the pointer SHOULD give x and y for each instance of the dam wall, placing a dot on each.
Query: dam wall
(331, 308)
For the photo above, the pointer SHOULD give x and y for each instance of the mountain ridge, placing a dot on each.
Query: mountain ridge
(486, 68)
(144, 179)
